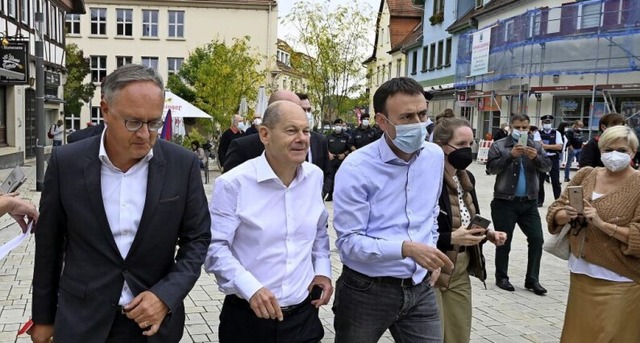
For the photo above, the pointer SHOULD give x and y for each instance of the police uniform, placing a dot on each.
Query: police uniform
(339, 143)
(551, 137)
(363, 136)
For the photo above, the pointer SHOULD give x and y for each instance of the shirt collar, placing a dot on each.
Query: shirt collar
(264, 171)
(104, 158)
(387, 155)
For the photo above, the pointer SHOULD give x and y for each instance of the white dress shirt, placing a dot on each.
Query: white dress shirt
(123, 196)
(264, 234)
(380, 201)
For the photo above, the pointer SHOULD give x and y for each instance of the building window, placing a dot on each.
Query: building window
(283, 57)
(384, 74)
(534, 24)
(176, 24)
(72, 24)
(11, 8)
(432, 56)
(447, 52)
(124, 26)
(377, 75)
(98, 68)
(440, 53)
(399, 68)
(149, 23)
(589, 15)
(60, 26)
(508, 30)
(479, 3)
(438, 6)
(51, 28)
(24, 11)
(175, 63)
(414, 62)
(96, 115)
(122, 60)
(72, 122)
(98, 21)
(151, 62)
(390, 70)
(425, 57)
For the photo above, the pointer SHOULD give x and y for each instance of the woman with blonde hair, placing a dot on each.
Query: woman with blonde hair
(604, 292)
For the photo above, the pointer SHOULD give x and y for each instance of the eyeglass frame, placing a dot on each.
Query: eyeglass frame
(142, 123)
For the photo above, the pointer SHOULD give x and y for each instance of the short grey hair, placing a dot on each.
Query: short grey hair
(128, 74)
(272, 114)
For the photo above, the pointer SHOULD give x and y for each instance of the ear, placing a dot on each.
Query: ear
(104, 109)
(264, 133)
(381, 121)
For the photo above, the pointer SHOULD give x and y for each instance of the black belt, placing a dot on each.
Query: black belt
(462, 248)
(521, 199)
(286, 310)
(389, 280)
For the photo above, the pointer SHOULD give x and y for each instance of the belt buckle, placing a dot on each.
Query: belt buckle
(287, 309)
(406, 283)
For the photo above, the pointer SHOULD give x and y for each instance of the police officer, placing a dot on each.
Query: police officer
(339, 147)
(363, 134)
(552, 144)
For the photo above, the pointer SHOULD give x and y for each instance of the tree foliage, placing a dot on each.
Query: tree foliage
(335, 39)
(216, 76)
(76, 93)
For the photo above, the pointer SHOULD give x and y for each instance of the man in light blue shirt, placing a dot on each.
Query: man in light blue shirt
(385, 214)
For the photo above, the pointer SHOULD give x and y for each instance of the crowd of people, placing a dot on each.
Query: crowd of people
(107, 267)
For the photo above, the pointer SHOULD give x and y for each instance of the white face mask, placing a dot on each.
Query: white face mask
(546, 126)
(257, 121)
(365, 122)
(241, 126)
(310, 119)
(337, 129)
(615, 160)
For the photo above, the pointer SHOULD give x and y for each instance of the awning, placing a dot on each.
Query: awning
(181, 108)
(11, 74)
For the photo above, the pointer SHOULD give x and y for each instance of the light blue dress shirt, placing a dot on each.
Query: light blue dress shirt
(380, 201)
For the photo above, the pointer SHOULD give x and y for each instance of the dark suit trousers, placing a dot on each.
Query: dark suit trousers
(125, 330)
(239, 324)
(506, 214)
(554, 175)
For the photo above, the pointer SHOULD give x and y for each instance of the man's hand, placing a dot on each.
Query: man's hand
(327, 290)
(434, 277)
(265, 305)
(426, 256)
(497, 237)
(465, 237)
(331, 157)
(341, 157)
(531, 152)
(517, 150)
(20, 210)
(41, 333)
(148, 311)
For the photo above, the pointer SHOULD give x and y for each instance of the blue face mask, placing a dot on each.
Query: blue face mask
(515, 133)
(410, 137)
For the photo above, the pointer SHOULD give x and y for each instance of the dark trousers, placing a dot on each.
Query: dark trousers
(239, 324)
(554, 175)
(335, 165)
(124, 329)
(366, 307)
(506, 214)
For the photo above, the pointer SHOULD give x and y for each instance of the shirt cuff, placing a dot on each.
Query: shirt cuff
(247, 285)
(322, 267)
(391, 250)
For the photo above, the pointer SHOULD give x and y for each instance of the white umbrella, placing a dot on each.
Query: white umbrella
(181, 108)
(261, 104)
(244, 108)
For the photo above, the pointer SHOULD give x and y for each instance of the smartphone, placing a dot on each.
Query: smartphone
(576, 198)
(316, 292)
(479, 221)
(523, 139)
(13, 181)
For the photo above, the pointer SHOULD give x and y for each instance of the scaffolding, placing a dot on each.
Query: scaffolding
(599, 37)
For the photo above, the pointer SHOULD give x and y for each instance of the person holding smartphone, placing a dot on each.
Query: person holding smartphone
(604, 287)
(459, 239)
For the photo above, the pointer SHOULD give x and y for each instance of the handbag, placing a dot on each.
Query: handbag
(558, 245)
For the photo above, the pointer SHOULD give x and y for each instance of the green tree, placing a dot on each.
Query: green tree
(335, 40)
(216, 76)
(76, 93)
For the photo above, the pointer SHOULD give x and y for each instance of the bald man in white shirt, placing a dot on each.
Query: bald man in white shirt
(269, 245)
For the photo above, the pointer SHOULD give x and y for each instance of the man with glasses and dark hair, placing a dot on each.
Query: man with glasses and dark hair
(113, 209)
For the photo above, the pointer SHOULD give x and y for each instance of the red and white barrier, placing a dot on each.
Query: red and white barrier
(483, 150)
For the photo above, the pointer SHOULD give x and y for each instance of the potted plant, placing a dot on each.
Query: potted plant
(437, 18)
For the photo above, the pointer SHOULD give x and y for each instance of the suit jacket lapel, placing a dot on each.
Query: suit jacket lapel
(157, 171)
(92, 177)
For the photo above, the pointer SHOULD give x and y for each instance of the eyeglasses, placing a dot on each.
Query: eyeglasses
(308, 110)
(135, 125)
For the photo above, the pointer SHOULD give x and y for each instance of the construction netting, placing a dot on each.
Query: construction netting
(587, 37)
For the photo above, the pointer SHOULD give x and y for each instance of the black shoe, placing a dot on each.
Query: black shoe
(536, 288)
(506, 285)
(540, 205)
(567, 180)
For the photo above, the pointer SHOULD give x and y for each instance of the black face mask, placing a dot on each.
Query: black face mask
(460, 158)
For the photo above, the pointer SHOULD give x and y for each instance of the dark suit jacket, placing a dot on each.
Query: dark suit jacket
(87, 132)
(248, 147)
(79, 272)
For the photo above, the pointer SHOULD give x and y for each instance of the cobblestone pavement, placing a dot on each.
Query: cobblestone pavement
(498, 316)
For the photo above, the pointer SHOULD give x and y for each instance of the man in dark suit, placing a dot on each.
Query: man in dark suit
(113, 209)
(246, 148)
(90, 131)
